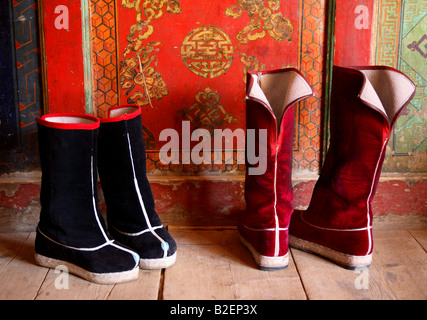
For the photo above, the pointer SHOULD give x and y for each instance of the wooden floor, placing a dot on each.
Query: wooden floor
(212, 264)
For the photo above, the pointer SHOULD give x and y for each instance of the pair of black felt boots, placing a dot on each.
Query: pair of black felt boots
(72, 232)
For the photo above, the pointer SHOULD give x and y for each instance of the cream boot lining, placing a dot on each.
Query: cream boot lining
(66, 119)
(118, 112)
(279, 90)
(386, 91)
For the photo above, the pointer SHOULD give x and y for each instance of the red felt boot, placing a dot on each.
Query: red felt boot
(366, 101)
(268, 186)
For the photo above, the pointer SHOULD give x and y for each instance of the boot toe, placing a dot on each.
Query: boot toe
(157, 248)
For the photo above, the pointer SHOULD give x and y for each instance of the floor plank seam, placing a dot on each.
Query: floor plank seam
(415, 238)
(299, 274)
(39, 292)
(161, 285)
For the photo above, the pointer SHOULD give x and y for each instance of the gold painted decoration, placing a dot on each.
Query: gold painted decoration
(132, 77)
(207, 51)
(195, 56)
(151, 9)
(263, 20)
(139, 79)
(251, 63)
(207, 112)
(146, 11)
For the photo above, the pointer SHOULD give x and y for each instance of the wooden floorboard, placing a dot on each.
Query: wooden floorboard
(212, 264)
(20, 278)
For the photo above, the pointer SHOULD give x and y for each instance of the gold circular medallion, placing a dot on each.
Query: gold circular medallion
(207, 51)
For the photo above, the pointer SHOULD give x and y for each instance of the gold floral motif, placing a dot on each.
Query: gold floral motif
(152, 9)
(207, 112)
(263, 18)
(149, 10)
(131, 76)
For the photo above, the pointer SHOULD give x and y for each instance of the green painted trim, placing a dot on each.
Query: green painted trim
(330, 49)
(87, 55)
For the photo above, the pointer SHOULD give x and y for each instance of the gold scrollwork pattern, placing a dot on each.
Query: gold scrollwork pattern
(152, 9)
(207, 112)
(131, 75)
(145, 13)
(263, 20)
(250, 63)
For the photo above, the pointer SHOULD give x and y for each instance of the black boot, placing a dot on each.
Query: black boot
(132, 219)
(71, 230)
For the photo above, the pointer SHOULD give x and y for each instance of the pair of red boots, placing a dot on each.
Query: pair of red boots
(365, 103)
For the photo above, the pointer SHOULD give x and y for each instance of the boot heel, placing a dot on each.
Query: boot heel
(266, 263)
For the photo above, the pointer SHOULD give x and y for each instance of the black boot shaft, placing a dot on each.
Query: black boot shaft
(131, 216)
(122, 159)
(69, 195)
